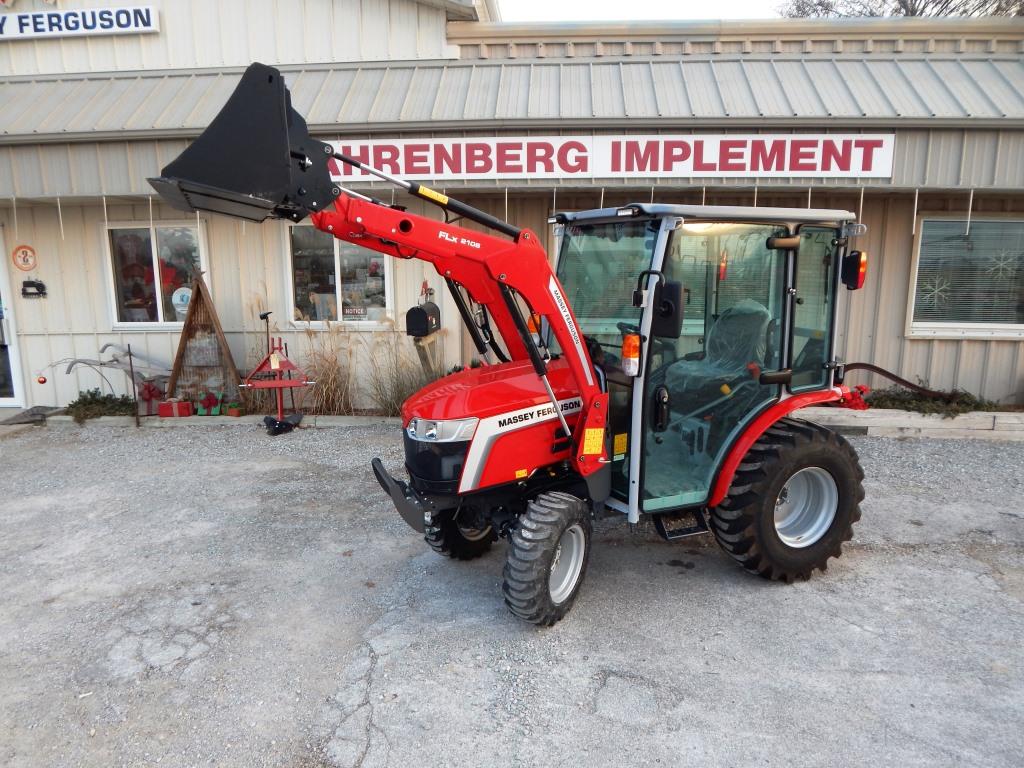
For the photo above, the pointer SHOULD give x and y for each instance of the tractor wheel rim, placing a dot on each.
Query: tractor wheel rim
(806, 507)
(567, 564)
(474, 534)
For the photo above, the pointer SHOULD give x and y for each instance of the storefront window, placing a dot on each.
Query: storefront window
(333, 280)
(970, 280)
(153, 287)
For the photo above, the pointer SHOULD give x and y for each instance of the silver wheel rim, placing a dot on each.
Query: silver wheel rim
(473, 534)
(567, 563)
(806, 507)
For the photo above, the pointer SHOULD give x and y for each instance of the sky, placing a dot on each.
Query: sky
(636, 10)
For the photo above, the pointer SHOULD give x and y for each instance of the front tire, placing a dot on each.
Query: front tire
(446, 537)
(547, 558)
(792, 503)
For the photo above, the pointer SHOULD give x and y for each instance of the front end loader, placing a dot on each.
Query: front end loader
(653, 372)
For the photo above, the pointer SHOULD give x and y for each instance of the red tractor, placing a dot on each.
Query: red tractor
(653, 372)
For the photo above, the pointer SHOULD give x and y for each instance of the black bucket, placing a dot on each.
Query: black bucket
(255, 161)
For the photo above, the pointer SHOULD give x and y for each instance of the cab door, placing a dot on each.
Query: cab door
(10, 372)
(701, 396)
(816, 281)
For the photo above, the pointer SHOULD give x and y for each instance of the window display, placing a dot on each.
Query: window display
(333, 280)
(145, 283)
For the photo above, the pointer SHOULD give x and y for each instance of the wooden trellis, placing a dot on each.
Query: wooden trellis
(203, 362)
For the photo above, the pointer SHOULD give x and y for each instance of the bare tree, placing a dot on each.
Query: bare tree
(863, 8)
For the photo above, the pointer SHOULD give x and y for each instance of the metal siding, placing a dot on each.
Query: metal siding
(735, 89)
(638, 90)
(484, 89)
(424, 93)
(899, 91)
(977, 102)
(670, 90)
(513, 92)
(576, 92)
(828, 83)
(799, 89)
(700, 85)
(545, 91)
(393, 91)
(607, 95)
(452, 94)
(767, 90)
(862, 84)
(203, 33)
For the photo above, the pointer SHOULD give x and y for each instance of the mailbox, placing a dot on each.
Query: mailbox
(423, 319)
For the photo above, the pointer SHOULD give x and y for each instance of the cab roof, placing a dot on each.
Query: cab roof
(739, 213)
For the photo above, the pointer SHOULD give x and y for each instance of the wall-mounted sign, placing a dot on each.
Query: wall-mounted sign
(24, 257)
(796, 155)
(77, 22)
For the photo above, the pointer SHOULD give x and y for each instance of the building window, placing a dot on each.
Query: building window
(152, 270)
(969, 283)
(334, 280)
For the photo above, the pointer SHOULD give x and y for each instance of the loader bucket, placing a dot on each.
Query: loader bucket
(256, 160)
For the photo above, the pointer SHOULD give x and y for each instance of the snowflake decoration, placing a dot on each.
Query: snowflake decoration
(936, 291)
(1003, 264)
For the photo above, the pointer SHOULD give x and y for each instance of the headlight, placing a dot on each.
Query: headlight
(449, 431)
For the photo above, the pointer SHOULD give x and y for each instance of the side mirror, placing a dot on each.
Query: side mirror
(667, 322)
(854, 269)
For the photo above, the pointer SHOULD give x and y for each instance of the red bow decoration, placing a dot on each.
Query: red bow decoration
(856, 401)
(148, 393)
(210, 401)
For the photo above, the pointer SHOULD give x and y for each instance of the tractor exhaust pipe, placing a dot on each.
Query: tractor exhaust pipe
(257, 160)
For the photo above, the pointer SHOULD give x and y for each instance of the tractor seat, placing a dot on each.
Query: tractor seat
(737, 339)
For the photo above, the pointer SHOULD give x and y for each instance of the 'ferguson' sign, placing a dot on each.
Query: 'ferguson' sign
(662, 156)
(78, 22)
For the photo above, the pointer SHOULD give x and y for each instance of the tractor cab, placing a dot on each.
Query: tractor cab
(698, 320)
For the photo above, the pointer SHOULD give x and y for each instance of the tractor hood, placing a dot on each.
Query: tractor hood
(488, 391)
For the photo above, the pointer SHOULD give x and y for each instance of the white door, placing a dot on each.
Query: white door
(11, 394)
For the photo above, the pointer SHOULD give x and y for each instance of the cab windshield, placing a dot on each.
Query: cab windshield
(598, 266)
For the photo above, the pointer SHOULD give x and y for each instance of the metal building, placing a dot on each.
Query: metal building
(917, 125)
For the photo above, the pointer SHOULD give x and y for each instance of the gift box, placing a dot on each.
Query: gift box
(209, 404)
(174, 408)
(234, 409)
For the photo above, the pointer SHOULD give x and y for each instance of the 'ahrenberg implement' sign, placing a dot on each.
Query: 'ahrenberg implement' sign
(78, 22)
(665, 156)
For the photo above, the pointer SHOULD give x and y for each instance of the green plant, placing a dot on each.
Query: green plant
(92, 404)
(958, 402)
(394, 373)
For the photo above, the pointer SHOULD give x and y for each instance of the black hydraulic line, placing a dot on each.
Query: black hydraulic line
(467, 316)
(524, 331)
(947, 396)
(437, 198)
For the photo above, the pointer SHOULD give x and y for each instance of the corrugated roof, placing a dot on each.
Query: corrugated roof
(447, 95)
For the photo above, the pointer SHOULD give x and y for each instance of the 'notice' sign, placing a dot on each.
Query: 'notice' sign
(665, 156)
(78, 22)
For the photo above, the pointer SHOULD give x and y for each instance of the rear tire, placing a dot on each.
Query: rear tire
(547, 558)
(792, 503)
(446, 537)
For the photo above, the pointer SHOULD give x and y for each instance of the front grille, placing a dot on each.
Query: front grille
(435, 466)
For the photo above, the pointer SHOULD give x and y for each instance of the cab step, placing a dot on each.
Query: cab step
(678, 525)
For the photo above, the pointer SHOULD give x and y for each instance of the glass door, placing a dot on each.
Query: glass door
(10, 372)
(703, 387)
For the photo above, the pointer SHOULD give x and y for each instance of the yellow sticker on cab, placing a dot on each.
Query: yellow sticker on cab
(619, 444)
(593, 440)
(520, 474)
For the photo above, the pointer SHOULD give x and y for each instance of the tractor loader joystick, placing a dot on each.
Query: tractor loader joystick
(604, 394)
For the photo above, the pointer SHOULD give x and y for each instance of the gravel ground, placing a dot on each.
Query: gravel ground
(217, 597)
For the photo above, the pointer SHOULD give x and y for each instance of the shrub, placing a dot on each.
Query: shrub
(958, 402)
(329, 363)
(92, 404)
(395, 373)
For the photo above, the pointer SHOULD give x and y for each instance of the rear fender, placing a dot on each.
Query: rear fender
(758, 427)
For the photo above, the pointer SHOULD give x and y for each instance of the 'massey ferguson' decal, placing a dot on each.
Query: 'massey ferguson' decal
(563, 309)
(541, 413)
(489, 429)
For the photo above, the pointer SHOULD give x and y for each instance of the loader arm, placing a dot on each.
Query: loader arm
(494, 270)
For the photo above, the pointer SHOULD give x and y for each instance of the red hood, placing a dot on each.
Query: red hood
(487, 391)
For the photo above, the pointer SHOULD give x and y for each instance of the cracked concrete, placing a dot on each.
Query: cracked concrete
(223, 598)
